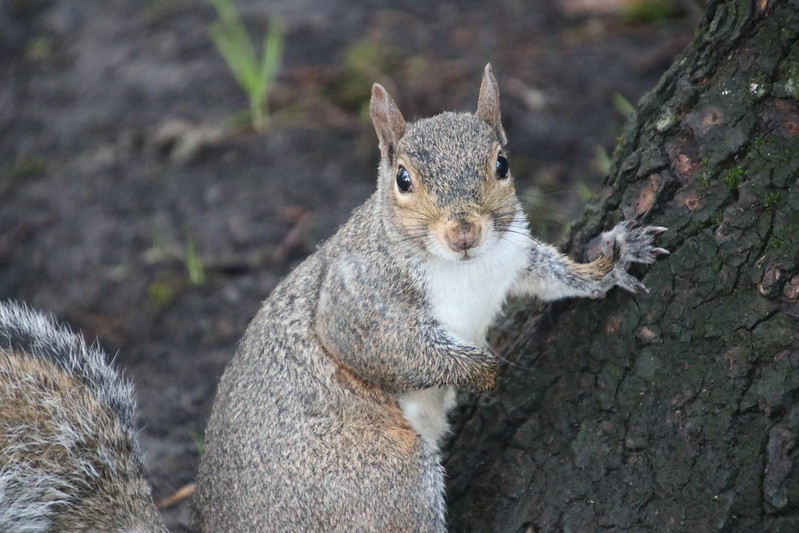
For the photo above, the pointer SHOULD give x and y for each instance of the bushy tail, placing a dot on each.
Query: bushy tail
(69, 459)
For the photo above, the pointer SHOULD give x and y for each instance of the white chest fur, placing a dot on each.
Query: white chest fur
(466, 299)
(467, 296)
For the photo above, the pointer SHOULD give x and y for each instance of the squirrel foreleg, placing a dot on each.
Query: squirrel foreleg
(551, 275)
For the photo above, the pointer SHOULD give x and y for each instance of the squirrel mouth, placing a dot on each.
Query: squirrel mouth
(465, 257)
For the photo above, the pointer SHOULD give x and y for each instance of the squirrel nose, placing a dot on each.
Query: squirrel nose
(463, 236)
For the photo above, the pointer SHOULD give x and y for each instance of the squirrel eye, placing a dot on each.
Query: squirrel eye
(404, 180)
(502, 167)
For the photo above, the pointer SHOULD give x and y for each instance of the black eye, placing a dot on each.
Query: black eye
(404, 180)
(502, 167)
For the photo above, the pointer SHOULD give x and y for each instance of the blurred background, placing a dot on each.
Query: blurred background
(164, 163)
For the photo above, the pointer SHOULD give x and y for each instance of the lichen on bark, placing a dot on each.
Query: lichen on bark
(676, 410)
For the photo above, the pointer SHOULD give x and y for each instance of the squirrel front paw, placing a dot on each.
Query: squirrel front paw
(627, 244)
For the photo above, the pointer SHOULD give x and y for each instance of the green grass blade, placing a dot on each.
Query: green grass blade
(272, 54)
(227, 48)
(230, 37)
(255, 75)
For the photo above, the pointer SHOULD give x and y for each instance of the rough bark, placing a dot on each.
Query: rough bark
(676, 410)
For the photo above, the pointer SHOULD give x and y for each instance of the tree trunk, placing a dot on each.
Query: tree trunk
(675, 410)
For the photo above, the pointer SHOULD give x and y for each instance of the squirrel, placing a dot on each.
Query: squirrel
(331, 414)
(69, 458)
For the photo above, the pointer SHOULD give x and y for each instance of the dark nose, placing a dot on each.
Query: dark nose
(463, 236)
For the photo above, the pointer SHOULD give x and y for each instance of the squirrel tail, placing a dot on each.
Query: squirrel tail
(69, 458)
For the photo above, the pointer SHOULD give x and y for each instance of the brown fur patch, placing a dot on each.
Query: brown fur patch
(24, 382)
(387, 417)
(37, 396)
(595, 270)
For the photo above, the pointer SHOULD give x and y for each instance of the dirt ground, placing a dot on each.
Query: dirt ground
(134, 208)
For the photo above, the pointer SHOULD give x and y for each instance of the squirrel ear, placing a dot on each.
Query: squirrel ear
(488, 103)
(387, 120)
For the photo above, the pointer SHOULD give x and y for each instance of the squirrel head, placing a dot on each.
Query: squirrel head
(444, 180)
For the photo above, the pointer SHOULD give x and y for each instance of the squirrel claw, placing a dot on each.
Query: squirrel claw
(629, 282)
(655, 230)
(630, 244)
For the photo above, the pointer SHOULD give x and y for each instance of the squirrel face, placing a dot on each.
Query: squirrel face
(452, 187)
(445, 179)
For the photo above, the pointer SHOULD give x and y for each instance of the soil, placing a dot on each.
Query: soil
(135, 206)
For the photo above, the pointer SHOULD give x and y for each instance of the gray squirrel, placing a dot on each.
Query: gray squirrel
(330, 415)
(69, 459)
